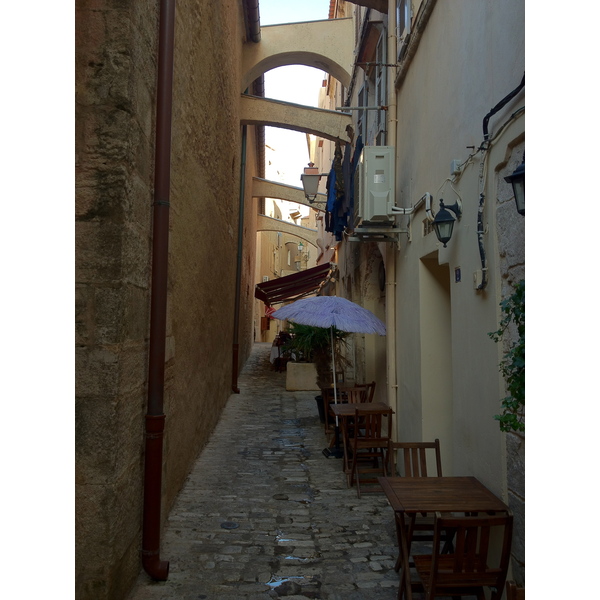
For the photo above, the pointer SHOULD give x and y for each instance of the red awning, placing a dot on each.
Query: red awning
(292, 287)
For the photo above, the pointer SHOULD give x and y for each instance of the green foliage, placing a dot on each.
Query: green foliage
(313, 344)
(512, 366)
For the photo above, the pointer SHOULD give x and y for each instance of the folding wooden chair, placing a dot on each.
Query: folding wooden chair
(352, 395)
(472, 566)
(370, 441)
(414, 460)
(370, 390)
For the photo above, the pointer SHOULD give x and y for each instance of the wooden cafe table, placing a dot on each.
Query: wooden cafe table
(410, 496)
(345, 410)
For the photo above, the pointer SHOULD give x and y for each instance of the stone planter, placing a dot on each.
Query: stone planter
(301, 377)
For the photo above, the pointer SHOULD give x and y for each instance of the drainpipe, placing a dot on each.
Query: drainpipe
(236, 310)
(252, 16)
(391, 249)
(253, 20)
(155, 419)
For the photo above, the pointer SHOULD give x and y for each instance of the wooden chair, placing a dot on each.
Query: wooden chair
(353, 395)
(471, 566)
(414, 460)
(513, 592)
(370, 390)
(370, 442)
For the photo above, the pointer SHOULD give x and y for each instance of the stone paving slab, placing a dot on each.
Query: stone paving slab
(264, 514)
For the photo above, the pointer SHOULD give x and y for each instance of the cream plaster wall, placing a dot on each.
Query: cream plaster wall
(470, 57)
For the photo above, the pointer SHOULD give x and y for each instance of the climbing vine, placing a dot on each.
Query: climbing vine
(512, 366)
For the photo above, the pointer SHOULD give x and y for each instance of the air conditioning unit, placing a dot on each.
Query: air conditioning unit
(376, 185)
(265, 278)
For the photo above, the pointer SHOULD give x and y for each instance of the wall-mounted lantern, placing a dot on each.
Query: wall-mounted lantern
(443, 224)
(310, 181)
(517, 180)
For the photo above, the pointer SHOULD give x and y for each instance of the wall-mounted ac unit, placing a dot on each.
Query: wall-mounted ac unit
(376, 185)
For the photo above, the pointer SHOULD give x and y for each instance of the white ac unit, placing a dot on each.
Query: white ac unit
(377, 184)
(265, 278)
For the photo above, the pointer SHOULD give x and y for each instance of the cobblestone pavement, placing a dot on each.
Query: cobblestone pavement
(264, 514)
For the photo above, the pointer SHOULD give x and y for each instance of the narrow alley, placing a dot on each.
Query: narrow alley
(264, 514)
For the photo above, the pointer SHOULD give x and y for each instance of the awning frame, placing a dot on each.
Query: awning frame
(295, 286)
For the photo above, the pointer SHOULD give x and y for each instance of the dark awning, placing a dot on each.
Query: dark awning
(292, 287)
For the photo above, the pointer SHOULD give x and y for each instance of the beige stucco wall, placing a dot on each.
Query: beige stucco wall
(465, 64)
(115, 112)
(469, 56)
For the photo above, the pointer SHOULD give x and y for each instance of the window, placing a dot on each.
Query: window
(403, 23)
(363, 99)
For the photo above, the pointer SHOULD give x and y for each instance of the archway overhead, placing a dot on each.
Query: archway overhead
(327, 124)
(265, 223)
(263, 188)
(326, 45)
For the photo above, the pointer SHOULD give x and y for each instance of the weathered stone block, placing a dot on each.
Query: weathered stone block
(98, 251)
(97, 372)
(96, 441)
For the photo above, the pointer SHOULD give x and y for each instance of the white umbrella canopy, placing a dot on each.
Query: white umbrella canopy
(331, 311)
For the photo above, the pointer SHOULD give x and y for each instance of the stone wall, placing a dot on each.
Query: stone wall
(511, 243)
(115, 112)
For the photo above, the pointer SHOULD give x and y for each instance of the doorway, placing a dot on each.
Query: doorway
(436, 355)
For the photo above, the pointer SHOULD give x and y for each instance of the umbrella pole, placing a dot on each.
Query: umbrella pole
(337, 452)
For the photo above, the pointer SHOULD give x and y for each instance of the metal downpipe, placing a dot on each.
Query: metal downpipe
(236, 312)
(391, 249)
(155, 419)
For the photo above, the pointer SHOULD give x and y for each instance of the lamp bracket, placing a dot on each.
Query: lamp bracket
(456, 208)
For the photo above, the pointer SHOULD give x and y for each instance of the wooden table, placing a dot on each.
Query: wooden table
(413, 495)
(344, 410)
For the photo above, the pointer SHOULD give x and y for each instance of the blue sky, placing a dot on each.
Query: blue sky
(286, 11)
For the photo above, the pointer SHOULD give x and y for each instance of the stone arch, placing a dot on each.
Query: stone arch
(326, 45)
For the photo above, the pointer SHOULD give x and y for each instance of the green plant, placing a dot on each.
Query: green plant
(313, 344)
(512, 366)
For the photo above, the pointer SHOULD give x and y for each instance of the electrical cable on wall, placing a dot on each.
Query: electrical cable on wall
(484, 148)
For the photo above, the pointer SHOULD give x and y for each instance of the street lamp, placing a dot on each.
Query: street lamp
(310, 181)
(443, 224)
(517, 180)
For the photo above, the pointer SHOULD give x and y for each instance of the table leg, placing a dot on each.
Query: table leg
(405, 556)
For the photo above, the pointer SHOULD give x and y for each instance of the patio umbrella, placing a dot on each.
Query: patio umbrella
(330, 312)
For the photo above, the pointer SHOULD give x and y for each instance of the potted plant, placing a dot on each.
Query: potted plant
(313, 345)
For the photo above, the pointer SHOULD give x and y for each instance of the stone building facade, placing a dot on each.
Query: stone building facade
(116, 83)
(442, 85)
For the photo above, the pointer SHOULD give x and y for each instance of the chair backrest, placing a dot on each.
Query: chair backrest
(472, 563)
(375, 426)
(354, 395)
(513, 592)
(414, 458)
(370, 390)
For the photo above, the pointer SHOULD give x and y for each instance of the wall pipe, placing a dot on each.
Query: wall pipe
(155, 419)
(391, 250)
(481, 206)
(236, 310)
